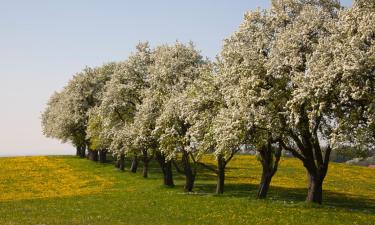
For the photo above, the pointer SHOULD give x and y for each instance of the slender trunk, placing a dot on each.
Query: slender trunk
(145, 160)
(78, 151)
(189, 174)
(189, 183)
(220, 175)
(102, 156)
(121, 162)
(166, 167)
(145, 168)
(168, 181)
(134, 166)
(93, 155)
(269, 168)
(82, 151)
(117, 162)
(264, 185)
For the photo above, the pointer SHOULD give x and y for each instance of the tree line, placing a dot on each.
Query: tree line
(297, 77)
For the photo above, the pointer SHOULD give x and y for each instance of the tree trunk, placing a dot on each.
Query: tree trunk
(102, 156)
(264, 185)
(189, 175)
(168, 180)
(78, 151)
(269, 167)
(146, 161)
(316, 172)
(117, 162)
(134, 166)
(189, 182)
(93, 155)
(82, 151)
(220, 175)
(315, 191)
(145, 169)
(121, 162)
(166, 167)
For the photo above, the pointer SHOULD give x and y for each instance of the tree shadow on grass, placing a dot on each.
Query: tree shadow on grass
(205, 184)
(292, 195)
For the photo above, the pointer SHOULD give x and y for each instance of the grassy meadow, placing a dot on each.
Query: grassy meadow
(69, 190)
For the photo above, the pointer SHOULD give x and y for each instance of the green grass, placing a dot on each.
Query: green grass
(68, 190)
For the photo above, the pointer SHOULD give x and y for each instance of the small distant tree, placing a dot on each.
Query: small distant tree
(56, 124)
(67, 114)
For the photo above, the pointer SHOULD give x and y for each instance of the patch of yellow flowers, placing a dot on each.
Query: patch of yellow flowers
(45, 177)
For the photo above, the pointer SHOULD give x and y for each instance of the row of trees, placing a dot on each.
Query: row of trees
(297, 77)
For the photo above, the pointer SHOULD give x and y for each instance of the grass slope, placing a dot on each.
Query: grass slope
(68, 190)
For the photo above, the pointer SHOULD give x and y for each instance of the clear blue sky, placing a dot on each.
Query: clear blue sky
(43, 43)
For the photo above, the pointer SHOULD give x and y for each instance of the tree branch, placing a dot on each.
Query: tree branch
(294, 152)
(234, 151)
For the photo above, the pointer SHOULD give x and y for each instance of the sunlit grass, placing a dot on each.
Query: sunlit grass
(68, 190)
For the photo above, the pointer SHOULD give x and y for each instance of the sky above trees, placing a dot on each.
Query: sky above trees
(44, 43)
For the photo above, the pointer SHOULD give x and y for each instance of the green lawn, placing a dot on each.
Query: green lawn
(68, 190)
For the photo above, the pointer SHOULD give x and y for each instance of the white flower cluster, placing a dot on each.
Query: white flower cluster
(302, 73)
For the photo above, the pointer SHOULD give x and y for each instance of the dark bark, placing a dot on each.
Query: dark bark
(221, 164)
(264, 185)
(270, 161)
(121, 162)
(220, 175)
(82, 151)
(102, 156)
(166, 167)
(168, 181)
(78, 151)
(315, 191)
(93, 155)
(317, 171)
(145, 169)
(146, 161)
(134, 165)
(117, 162)
(187, 170)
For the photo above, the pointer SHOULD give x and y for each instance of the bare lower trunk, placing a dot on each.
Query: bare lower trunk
(121, 162)
(316, 172)
(315, 191)
(82, 151)
(78, 151)
(264, 185)
(146, 161)
(168, 180)
(117, 164)
(270, 161)
(134, 166)
(189, 183)
(102, 156)
(189, 174)
(220, 175)
(166, 167)
(93, 155)
(145, 169)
